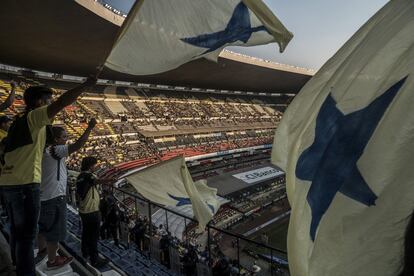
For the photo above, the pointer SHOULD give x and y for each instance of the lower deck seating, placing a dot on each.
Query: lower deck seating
(129, 260)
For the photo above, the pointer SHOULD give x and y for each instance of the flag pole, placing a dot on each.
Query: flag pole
(121, 31)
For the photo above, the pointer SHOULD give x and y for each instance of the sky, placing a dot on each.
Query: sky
(320, 28)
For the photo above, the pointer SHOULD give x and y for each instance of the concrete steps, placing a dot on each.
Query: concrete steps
(67, 270)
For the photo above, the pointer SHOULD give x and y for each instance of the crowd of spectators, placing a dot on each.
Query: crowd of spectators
(123, 133)
(145, 235)
(118, 216)
(215, 125)
(204, 123)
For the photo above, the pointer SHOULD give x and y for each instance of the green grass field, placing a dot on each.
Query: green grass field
(277, 233)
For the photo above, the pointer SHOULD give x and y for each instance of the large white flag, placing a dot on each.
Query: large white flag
(346, 143)
(169, 183)
(160, 35)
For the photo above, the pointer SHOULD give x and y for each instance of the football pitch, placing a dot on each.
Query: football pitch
(277, 233)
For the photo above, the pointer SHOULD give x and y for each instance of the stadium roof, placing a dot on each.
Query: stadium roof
(241, 179)
(74, 36)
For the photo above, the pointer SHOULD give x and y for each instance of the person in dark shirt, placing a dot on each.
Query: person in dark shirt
(89, 199)
(139, 233)
(113, 221)
(222, 267)
(104, 209)
(189, 261)
(164, 248)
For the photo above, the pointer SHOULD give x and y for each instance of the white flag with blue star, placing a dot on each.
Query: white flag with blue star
(161, 35)
(169, 183)
(346, 144)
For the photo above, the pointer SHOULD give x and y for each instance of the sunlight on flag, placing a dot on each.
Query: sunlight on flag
(161, 35)
(346, 144)
(169, 183)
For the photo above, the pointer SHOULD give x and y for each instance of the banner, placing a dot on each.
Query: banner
(346, 145)
(161, 35)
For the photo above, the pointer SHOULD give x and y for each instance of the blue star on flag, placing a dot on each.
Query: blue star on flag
(238, 29)
(181, 201)
(330, 162)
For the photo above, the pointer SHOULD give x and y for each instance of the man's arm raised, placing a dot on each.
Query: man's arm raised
(69, 97)
(10, 99)
(83, 139)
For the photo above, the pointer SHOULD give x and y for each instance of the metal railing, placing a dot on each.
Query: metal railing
(278, 258)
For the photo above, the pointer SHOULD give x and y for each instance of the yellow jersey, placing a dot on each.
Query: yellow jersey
(24, 148)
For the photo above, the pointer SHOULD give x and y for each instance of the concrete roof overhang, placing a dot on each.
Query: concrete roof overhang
(74, 36)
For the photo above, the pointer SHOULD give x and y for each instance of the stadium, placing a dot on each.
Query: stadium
(219, 117)
(220, 136)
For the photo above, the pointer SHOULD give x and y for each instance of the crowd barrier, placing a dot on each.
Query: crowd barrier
(244, 250)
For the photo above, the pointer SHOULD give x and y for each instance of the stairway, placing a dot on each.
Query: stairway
(73, 132)
(86, 108)
(111, 130)
(66, 270)
(128, 260)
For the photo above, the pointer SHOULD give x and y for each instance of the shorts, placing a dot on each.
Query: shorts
(52, 221)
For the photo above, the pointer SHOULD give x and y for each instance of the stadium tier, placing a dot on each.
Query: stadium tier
(152, 124)
(225, 136)
(221, 136)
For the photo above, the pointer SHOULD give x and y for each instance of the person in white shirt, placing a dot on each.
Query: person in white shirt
(52, 221)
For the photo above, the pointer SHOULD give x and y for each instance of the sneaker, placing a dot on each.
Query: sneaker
(100, 262)
(60, 261)
(40, 255)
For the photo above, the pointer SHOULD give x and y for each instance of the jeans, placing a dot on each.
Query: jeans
(90, 235)
(23, 207)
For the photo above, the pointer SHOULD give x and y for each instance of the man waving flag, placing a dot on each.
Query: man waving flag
(346, 144)
(161, 35)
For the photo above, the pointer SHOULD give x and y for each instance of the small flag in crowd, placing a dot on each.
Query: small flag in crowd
(346, 144)
(169, 183)
(161, 35)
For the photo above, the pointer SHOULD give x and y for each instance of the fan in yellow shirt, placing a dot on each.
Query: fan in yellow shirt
(22, 162)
